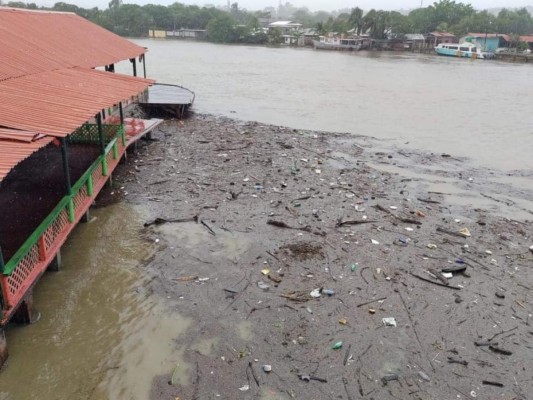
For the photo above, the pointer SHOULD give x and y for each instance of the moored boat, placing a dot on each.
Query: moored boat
(467, 50)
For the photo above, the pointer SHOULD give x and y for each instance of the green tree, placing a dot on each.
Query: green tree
(275, 36)
(377, 23)
(222, 29)
(356, 20)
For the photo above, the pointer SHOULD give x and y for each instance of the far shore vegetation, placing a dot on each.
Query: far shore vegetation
(236, 25)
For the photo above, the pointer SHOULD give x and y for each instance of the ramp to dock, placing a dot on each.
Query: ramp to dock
(167, 100)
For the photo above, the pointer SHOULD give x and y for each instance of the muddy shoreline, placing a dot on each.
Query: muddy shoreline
(264, 215)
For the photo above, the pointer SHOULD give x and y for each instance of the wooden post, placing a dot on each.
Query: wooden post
(144, 64)
(68, 186)
(121, 112)
(2, 265)
(26, 313)
(3, 348)
(66, 171)
(100, 133)
(56, 263)
(134, 64)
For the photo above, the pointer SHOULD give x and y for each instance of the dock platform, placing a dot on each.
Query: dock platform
(34, 231)
(166, 99)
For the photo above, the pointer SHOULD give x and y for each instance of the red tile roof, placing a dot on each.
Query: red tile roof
(47, 86)
(527, 38)
(56, 103)
(12, 151)
(37, 41)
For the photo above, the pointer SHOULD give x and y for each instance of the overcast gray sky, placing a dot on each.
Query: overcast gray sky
(313, 5)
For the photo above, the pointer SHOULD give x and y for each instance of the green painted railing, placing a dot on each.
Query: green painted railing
(54, 224)
(65, 202)
(88, 134)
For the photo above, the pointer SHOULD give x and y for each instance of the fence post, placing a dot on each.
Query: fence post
(2, 264)
(90, 188)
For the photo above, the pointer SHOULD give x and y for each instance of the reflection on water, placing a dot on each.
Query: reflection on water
(476, 109)
(100, 335)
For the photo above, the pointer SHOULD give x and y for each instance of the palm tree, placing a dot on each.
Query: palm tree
(356, 20)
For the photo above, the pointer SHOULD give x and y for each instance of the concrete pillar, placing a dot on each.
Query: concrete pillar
(56, 263)
(26, 313)
(86, 217)
(3, 347)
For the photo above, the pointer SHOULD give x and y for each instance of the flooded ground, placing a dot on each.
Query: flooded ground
(281, 212)
(196, 279)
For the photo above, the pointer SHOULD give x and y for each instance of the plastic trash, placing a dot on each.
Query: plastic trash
(354, 267)
(343, 321)
(424, 376)
(465, 232)
(329, 292)
(265, 271)
(337, 346)
(403, 241)
(267, 368)
(315, 293)
(263, 286)
(374, 241)
(389, 321)
(244, 388)
(531, 249)
(431, 246)
(388, 378)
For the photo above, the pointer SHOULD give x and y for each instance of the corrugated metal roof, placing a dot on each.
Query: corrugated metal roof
(527, 38)
(56, 103)
(489, 35)
(442, 34)
(12, 151)
(37, 41)
(17, 135)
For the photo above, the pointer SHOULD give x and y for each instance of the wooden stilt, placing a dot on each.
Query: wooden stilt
(26, 313)
(3, 348)
(56, 263)
(86, 217)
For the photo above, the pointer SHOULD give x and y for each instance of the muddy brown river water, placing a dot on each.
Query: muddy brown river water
(478, 109)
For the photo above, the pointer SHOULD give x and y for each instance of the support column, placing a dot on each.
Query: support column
(26, 313)
(3, 347)
(121, 112)
(134, 64)
(86, 217)
(102, 143)
(68, 186)
(144, 64)
(56, 263)
(2, 263)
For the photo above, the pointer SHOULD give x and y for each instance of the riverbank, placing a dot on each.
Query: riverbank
(249, 220)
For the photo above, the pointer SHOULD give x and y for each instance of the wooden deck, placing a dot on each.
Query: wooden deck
(48, 227)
